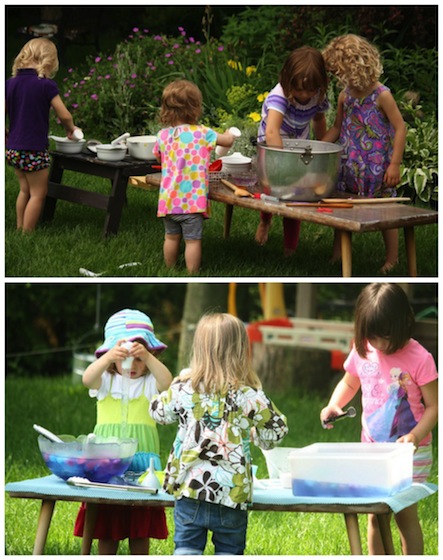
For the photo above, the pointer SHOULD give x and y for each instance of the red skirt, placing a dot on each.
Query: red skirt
(121, 522)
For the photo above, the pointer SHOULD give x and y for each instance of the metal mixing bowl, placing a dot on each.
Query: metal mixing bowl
(304, 170)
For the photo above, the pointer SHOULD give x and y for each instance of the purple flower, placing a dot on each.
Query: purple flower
(221, 48)
(135, 29)
(107, 77)
(109, 58)
(66, 94)
(158, 38)
(97, 59)
(94, 96)
(74, 105)
(198, 51)
(170, 62)
(133, 76)
(70, 70)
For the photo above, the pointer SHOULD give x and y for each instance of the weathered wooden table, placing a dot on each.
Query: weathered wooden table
(360, 218)
(51, 489)
(118, 172)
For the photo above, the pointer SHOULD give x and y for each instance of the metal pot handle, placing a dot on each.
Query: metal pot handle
(307, 156)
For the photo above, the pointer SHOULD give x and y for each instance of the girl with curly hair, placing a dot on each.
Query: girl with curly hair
(368, 125)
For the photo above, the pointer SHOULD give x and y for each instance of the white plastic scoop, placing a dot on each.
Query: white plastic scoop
(47, 434)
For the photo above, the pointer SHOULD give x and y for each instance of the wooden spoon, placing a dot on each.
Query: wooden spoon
(237, 190)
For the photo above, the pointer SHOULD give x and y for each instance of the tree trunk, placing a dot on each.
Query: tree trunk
(200, 299)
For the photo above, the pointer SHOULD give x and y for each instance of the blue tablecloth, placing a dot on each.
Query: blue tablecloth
(264, 493)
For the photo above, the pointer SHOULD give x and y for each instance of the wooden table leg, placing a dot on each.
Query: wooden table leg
(346, 253)
(411, 253)
(352, 528)
(115, 206)
(44, 521)
(88, 529)
(384, 524)
(229, 208)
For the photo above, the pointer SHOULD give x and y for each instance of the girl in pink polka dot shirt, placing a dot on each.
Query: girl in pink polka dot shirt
(184, 148)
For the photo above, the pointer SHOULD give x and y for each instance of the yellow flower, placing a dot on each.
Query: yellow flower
(235, 64)
(262, 96)
(255, 116)
(250, 70)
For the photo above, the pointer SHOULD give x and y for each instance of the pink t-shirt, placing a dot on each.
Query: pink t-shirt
(390, 385)
(185, 154)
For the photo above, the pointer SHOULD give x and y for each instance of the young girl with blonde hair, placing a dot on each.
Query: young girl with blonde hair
(184, 148)
(30, 94)
(220, 408)
(369, 126)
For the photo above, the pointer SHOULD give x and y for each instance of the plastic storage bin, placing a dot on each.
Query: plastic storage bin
(345, 470)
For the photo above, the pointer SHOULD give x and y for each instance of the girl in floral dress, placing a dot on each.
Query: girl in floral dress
(184, 149)
(220, 408)
(369, 126)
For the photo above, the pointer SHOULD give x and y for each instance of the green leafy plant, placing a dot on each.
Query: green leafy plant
(419, 176)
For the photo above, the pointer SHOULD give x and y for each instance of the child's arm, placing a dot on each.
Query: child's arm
(333, 133)
(273, 126)
(344, 392)
(270, 425)
(319, 125)
(225, 139)
(161, 373)
(92, 376)
(429, 418)
(64, 115)
(388, 105)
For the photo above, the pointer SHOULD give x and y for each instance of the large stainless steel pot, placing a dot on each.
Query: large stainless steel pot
(303, 170)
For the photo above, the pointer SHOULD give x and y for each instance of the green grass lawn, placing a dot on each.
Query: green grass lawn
(64, 407)
(73, 240)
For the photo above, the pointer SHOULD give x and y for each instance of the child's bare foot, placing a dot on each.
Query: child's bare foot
(261, 235)
(388, 266)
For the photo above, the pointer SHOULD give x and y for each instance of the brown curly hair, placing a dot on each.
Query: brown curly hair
(353, 60)
(181, 103)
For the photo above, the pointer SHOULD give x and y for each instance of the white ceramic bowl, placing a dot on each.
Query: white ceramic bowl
(67, 146)
(140, 147)
(236, 163)
(109, 152)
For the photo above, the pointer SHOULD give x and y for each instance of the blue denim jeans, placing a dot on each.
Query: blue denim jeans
(193, 519)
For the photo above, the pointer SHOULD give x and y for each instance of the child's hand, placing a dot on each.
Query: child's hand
(409, 438)
(140, 351)
(118, 353)
(392, 175)
(329, 411)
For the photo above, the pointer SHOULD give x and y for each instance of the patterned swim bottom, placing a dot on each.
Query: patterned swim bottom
(27, 160)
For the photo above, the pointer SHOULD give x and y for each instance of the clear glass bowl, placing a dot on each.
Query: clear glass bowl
(96, 458)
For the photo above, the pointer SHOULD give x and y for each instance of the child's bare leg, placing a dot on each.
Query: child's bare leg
(22, 198)
(410, 531)
(261, 235)
(38, 189)
(336, 247)
(390, 237)
(171, 247)
(193, 254)
(375, 544)
(139, 546)
(107, 547)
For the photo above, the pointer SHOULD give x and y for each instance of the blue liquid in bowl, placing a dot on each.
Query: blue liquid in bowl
(95, 470)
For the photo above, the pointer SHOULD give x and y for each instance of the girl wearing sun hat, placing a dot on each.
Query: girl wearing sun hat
(148, 377)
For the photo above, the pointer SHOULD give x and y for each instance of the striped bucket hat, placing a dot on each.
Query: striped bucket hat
(129, 324)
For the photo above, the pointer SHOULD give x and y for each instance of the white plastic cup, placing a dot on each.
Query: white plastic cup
(221, 150)
(77, 134)
(127, 362)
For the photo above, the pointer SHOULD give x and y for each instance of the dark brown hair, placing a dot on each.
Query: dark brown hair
(304, 69)
(383, 310)
(181, 103)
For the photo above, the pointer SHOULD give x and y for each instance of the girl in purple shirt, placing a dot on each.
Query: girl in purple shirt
(30, 94)
(297, 100)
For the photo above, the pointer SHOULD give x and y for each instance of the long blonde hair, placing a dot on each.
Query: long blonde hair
(40, 54)
(353, 60)
(221, 357)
